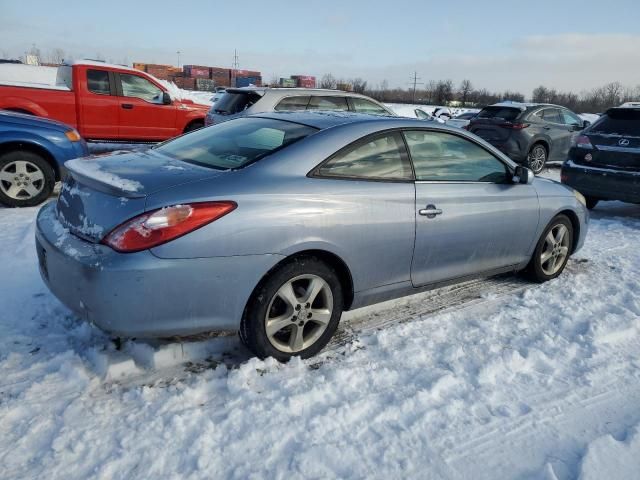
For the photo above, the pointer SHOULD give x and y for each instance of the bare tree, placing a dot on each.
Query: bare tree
(328, 81)
(465, 90)
(359, 85)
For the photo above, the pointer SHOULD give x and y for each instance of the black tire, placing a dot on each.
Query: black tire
(535, 270)
(35, 163)
(253, 325)
(537, 157)
(591, 202)
(193, 126)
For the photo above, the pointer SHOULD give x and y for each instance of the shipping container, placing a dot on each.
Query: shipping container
(287, 82)
(205, 84)
(248, 81)
(196, 71)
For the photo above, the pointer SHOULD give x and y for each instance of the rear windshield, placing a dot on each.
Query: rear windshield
(230, 103)
(235, 143)
(506, 113)
(621, 121)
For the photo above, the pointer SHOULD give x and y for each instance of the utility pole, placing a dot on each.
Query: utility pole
(178, 52)
(234, 67)
(415, 83)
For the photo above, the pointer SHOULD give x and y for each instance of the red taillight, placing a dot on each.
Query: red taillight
(163, 225)
(582, 141)
(515, 126)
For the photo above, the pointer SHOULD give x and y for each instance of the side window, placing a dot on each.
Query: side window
(552, 115)
(443, 157)
(361, 105)
(98, 82)
(570, 119)
(421, 114)
(378, 158)
(135, 86)
(328, 103)
(293, 103)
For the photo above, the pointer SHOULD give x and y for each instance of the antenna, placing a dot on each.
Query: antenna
(415, 82)
(178, 52)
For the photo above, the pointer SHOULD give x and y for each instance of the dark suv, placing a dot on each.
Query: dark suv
(530, 134)
(604, 161)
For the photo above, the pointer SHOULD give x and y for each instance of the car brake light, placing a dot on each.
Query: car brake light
(515, 126)
(582, 141)
(163, 225)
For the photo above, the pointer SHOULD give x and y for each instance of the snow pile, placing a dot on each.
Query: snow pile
(180, 94)
(490, 379)
(92, 169)
(408, 110)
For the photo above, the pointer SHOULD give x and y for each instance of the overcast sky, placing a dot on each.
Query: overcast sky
(567, 44)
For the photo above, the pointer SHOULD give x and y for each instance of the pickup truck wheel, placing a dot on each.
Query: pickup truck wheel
(195, 125)
(26, 179)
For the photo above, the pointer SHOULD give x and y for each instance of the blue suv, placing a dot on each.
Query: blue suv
(32, 155)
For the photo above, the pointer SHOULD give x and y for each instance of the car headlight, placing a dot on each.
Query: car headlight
(580, 198)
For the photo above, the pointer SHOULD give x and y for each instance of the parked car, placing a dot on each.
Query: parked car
(274, 224)
(461, 120)
(101, 101)
(530, 134)
(240, 102)
(604, 161)
(32, 155)
(443, 113)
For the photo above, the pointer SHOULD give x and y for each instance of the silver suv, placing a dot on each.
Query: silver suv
(239, 102)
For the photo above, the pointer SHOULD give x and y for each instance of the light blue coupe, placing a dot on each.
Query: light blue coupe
(273, 225)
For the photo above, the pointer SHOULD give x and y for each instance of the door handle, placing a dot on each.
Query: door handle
(430, 211)
(127, 106)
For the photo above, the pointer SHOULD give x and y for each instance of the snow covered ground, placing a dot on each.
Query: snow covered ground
(485, 380)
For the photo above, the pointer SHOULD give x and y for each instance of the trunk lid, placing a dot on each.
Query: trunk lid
(491, 123)
(615, 141)
(101, 192)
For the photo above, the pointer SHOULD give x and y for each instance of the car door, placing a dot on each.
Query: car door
(368, 202)
(99, 106)
(558, 132)
(142, 114)
(470, 217)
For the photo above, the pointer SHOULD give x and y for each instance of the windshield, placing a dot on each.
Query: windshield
(230, 103)
(505, 113)
(622, 121)
(235, 143)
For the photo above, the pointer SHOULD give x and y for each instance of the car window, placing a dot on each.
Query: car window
(421, 114)
(138, 87)
(570, 118)
(98, 82)
(506, 113)
(230, 103)
(328, 103)
(439, 156)
(618, 121)
(293, 103)
(362, 105)
(380, 158)
(235, 143)
(552, 115)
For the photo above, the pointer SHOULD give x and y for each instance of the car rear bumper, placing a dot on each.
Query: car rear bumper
(139, 294)
(605, 184)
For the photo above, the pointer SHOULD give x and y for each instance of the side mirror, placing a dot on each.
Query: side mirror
(523, 175)
(166, 98)
(585, 124)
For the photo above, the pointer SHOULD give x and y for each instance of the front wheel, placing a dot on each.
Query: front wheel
(26, 179)
(552, 251)
(591, 202)
(537, 158)
(294, 312)
(193, 126)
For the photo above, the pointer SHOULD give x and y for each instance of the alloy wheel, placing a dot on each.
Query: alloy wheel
(537, 158)
(299, 313)
(555, 250)
(21, 180)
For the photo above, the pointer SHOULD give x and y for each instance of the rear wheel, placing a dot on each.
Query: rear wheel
(537, 158)
(26, 179)
(592, 202)
(294, 312)
(552, 251)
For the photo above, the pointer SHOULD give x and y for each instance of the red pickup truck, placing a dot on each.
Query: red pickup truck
(102, 101)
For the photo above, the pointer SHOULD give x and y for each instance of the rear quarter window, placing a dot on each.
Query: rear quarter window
(231, 103)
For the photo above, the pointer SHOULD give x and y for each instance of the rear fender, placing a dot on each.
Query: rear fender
(23, 104)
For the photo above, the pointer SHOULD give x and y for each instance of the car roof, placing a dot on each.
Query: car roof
(522, 106)
(294, 91)
(322, 119)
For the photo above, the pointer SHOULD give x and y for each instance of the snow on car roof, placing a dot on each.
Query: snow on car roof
(520, 105)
